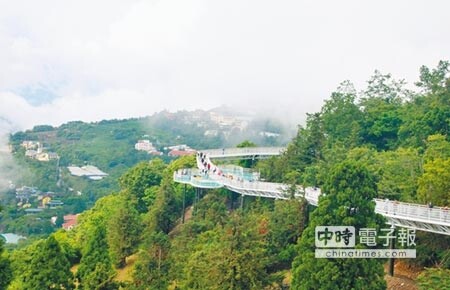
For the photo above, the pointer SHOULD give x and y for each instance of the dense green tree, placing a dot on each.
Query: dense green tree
(20, 261)
(285, 226)
(212, 209)
(271, 169)
(437, 147)
(432, 250)
(381, 123)
(434, 80)
(341, 116)
(306, 148)
(210, 213)
(140, 178)
(69, 245)
(348, 201)
(434, 184)
(249, 162)
(246, 144)
(434, 279)
(99, 279)
(49, 268)
(428, 113)
(97, 216)
(165, 211)
(425, 115)
(124, 229)
(203, 266)
(384, 86)
(232, 257)
(398, 173)
(95, 265)
(381, 104)
(5, 268)
(151, 270)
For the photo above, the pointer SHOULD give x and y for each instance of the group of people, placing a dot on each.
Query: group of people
(208, 166)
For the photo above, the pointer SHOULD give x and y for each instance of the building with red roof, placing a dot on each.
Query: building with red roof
(70, 221)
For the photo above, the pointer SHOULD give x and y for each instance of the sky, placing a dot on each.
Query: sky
(91, 60)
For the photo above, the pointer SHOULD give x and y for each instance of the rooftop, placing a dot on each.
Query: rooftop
(11, 238)
(90, 171)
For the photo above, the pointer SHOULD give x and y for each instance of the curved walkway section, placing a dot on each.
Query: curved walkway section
(247, 152)
(408, 215)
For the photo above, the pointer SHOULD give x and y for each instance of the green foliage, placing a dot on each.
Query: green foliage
(245, 144)
(432, 250)
(350, 189)
(5, 268)
(341, 116)
(437, 147)
(434, 184)
(20, 261)
(285, 225)
(97, 216)
(68, 244)
(434, 80)
(139, 180)
(152, 267)
(29, 224)
(212, 210)
(250, 162)
(232, 257)
(434, 279)
(384, 138)
(381, 104)
(164, 212)
(48, 268)
(99, 279)
(399, 171)
(124, 228)
(95, 266)
(43, 128)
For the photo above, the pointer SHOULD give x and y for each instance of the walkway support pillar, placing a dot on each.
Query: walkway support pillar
(195, 200)
(242, 201)
(184, 204)
(392, 260)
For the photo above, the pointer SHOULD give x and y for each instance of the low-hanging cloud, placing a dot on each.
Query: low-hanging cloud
(115, 59)
(10, 172)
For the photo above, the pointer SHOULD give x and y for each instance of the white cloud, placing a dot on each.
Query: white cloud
(117, 59)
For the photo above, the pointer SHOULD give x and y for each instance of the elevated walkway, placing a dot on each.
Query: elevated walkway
(401, 214)
(244, 153)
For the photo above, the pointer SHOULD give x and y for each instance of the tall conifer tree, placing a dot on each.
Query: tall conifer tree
(347, 202)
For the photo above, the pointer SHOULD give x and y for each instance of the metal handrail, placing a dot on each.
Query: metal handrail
(401, 213)
(402, 210)
(241, 152)
(413, 211)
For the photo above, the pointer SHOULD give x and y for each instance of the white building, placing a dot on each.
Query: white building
(211, 133)
(268, 134)
(30, 153)
(89, 171)
(144, 145)
(30, 145)
(181, 147)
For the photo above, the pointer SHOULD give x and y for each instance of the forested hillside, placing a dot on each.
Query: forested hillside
(110, 146)
(385, 141)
